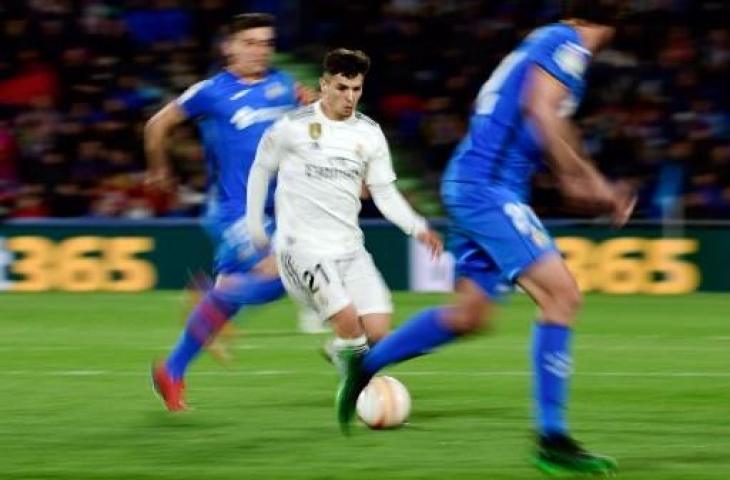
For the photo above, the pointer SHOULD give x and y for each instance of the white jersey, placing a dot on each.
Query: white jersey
(322, 164)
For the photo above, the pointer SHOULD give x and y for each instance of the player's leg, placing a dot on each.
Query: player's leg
(370, 294)
(375, 325)
(373, 306)
(216, 308)
(553, 289)
(317, 282)
(220, 347)
(371, 297)
(309, 321)
(350, 346)
(246, 277)
(556, 293)
(431, 328)
(482, 230)
(478, 283)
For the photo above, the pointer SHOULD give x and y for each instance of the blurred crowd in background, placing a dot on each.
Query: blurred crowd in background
(78, 79)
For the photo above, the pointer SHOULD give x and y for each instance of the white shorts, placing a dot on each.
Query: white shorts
(329, 284)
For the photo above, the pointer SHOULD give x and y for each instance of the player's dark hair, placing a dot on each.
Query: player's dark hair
(247, 21)
(348, 63)
(602, 12)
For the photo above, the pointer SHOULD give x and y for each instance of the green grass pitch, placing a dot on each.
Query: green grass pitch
(652, 388)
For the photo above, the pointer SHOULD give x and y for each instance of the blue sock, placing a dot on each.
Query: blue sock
(418, 336)
(216, 308)
(206, 319)
(552, 368)
(251, 289)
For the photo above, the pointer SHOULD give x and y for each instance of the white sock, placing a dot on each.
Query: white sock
(338, 345)
(358, 344)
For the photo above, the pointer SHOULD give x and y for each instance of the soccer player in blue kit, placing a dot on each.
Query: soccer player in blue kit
(232, 109)
(520, 119)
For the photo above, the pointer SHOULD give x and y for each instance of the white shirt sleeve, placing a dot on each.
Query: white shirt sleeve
(380, 179)
(395, 208)
(265, 166)
(380, 167)
(273, 144)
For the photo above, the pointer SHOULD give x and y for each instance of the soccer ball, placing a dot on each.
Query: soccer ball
(384, 403)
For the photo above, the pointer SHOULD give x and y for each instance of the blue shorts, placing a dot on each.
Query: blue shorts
(494, 236)
(234, 250)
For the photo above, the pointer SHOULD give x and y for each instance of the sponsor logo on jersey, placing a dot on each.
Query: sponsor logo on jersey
(247, 116)
(330, 173)
(339, 161)
(274, 90)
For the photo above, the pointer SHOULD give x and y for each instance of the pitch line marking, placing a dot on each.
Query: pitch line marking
(425, 373)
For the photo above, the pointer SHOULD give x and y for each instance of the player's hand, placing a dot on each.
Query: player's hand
(305, 95)
(257, 233)
(588, 195)
(624, 203)
(433, 241)
(267, 267)
(260, 241)
(159, 178)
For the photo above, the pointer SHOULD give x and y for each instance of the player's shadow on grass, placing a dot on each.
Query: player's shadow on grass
(271, 334)
(293, 406)
(480, 412)
(653, 462)
(175, 421)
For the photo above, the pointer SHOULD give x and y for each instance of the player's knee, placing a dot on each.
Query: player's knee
(267, 267)
(472, 310)
(346, 323)
(572, 300)
(563, 305)
(376, 333)
(468, 317)
(376, 326)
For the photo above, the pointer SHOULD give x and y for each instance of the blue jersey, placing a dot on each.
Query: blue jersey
(502, 149)
(232, 115)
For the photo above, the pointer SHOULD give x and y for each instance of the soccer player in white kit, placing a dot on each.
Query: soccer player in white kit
(323, 153)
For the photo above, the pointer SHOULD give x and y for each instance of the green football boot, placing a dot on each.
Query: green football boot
(560, 454)
(352, 382)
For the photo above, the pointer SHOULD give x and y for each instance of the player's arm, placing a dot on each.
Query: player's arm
(380, 180)
(156, 131)
(264, 167)
(579, 180)
(396, 209)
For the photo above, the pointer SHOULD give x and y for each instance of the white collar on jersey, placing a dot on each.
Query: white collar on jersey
(320, 113)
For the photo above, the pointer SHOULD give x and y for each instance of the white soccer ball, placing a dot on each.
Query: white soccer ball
(384, 403)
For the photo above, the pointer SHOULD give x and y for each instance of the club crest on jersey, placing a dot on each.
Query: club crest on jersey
(315, 130)
(274, 90)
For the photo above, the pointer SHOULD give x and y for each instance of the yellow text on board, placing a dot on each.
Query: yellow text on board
(628, 265)
(81, 264)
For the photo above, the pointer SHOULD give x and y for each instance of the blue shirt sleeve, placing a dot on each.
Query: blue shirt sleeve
(563, 58)
(197, 100)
